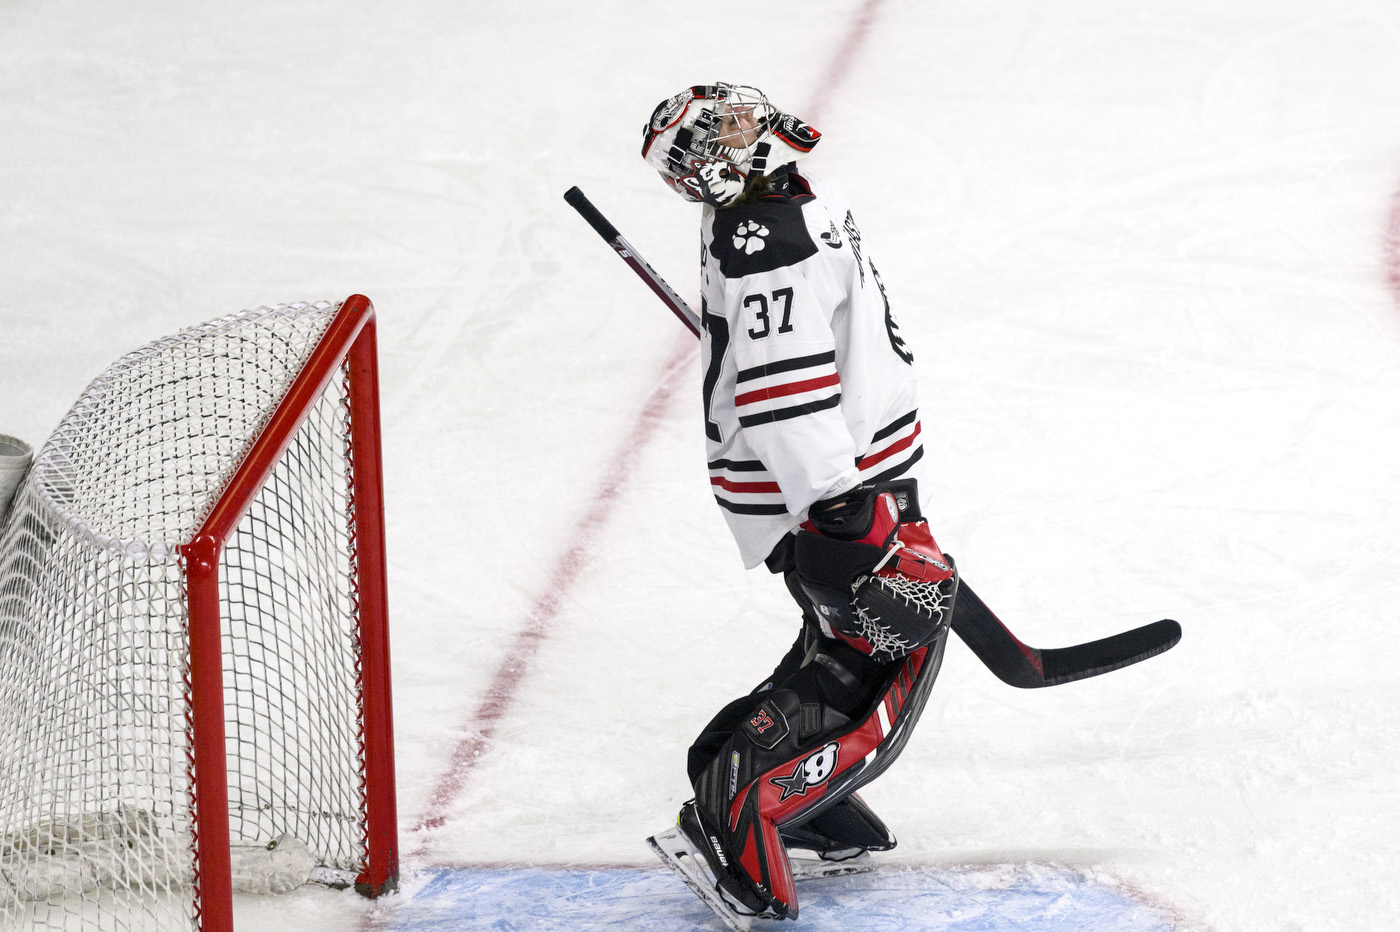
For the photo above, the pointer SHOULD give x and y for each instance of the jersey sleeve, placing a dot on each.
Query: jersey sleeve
(787, 392)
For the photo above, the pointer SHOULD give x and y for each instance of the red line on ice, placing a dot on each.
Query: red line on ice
(840, 64)
(516, 664)
(1392, 248)
(518, 658)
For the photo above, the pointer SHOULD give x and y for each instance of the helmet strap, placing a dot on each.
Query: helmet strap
(759, 162)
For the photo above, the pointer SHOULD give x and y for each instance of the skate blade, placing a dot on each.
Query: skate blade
(813, 868)
(676, 852)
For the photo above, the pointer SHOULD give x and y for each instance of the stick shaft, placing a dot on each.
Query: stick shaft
(579, 202)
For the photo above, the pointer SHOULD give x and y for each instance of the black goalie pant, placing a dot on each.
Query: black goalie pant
(828, 720)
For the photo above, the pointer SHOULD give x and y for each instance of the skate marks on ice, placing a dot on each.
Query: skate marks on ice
(1032, 898)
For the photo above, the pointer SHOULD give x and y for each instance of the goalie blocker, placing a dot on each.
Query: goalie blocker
(883, 594)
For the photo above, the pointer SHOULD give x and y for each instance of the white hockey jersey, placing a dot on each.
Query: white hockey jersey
(808, 385)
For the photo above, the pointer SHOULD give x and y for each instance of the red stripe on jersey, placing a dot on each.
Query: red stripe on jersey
(731, 486)
(790, 388)
(890, 450)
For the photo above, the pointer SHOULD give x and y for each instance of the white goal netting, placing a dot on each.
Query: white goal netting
(97, 782)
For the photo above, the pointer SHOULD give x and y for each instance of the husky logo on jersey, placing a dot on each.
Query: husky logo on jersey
(832, 237)
(749, 237)
(812, 770)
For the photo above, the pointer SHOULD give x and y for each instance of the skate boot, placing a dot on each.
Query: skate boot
(837, 841)
(698, 858)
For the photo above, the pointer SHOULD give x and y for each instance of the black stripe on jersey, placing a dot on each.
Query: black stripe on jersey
(901, 469)
(894, 426)
(786, 365)
(738, 465)
(783, 414)
(751, 509)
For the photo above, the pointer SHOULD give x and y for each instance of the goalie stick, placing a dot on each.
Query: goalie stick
(1031, 667)
(1012, 661)
(609, 233)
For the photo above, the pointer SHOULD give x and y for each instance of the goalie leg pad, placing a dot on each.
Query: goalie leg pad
(727, 721)
(793, 760)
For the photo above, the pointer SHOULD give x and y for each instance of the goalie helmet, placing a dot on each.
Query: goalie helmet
(708, 141)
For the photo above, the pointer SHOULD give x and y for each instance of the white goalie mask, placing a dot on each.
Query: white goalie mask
(709, 140)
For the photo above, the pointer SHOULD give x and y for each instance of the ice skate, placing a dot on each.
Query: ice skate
(687, 850)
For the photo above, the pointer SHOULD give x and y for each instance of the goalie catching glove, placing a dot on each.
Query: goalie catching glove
(876, 583)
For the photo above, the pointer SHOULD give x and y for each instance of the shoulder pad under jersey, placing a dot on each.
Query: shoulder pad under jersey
(768, 234)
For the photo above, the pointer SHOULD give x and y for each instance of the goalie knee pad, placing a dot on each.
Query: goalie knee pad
(792, 761)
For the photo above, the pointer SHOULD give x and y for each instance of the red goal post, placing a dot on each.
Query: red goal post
(350, 341)
(194, 654)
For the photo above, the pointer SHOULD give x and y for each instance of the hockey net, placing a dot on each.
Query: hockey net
(231, 469)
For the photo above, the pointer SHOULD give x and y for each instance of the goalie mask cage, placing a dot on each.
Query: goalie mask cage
(194, 657)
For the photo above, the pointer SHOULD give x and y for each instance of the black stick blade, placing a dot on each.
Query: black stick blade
(1067, 664)
(1028, 667)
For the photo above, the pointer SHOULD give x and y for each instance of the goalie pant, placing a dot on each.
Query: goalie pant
(796, 754)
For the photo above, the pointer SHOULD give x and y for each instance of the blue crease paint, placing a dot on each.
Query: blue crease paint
(893, 899)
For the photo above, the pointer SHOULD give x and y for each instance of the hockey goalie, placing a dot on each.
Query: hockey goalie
(813, 440)
(812, 433)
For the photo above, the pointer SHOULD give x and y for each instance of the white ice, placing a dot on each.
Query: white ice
(1140, 250)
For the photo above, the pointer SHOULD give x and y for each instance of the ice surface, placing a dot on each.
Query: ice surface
(1140, 252)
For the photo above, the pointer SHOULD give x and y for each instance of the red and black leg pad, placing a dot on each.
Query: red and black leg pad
(796, 756)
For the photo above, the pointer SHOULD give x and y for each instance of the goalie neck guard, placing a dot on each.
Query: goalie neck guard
(709, 141)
